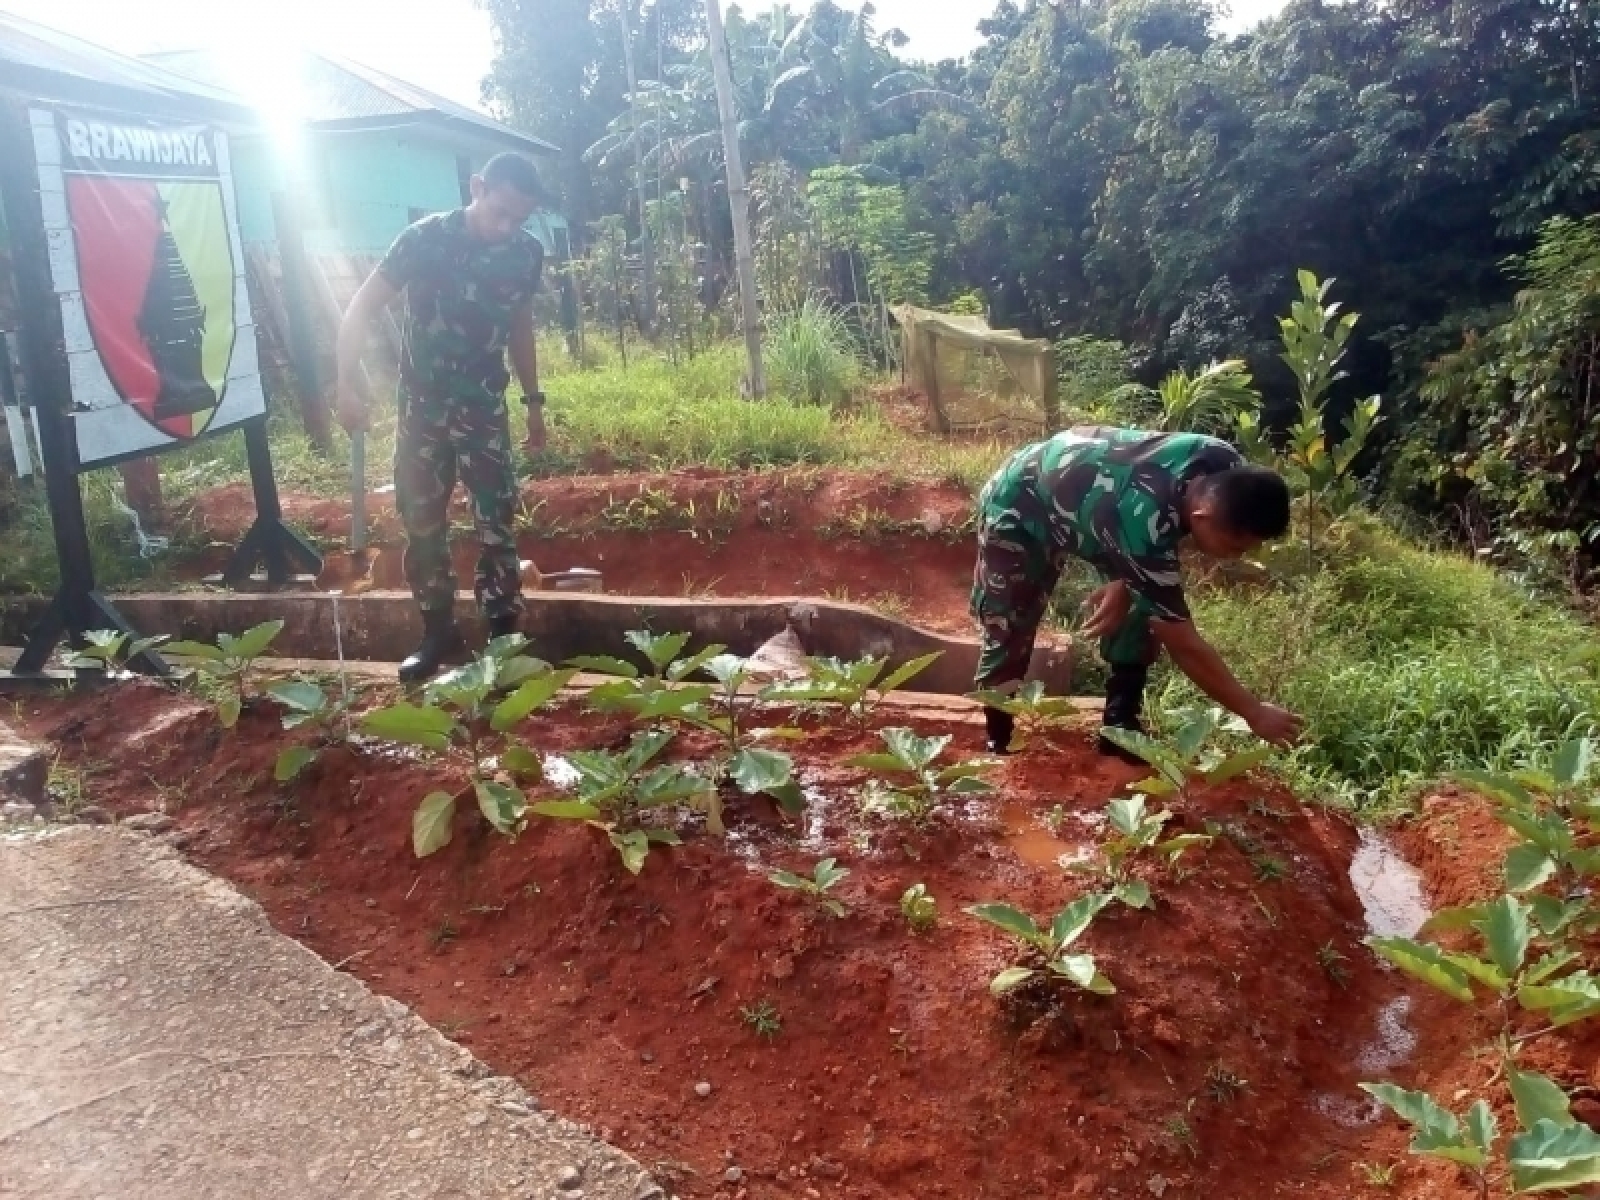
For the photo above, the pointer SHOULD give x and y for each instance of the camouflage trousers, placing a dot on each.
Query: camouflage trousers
(1016, 575)
(441, 441)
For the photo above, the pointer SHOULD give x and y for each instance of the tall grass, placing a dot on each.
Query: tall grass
(810, 354)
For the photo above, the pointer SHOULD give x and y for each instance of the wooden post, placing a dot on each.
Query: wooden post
(738, 198)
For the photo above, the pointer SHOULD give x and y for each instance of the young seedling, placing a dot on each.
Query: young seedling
(1335, 965)
(1378, 1175)
(306, 703)
(111, 650)
(1182, 1134)
(1177, 766)
(1034, 710)
(855, 687)
(763, 1019)
(615, 790)
(1137, 830)
(1224, 1086)
(663, 692)
(749, 766)
(1049, 945)
(915, 785)
(459, 710)
(919, 908)
(824, 877)
(227, 666)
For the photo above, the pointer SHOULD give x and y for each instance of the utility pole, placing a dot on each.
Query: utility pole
(738, 198)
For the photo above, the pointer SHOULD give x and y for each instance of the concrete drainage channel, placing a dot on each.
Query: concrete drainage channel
(383, 627)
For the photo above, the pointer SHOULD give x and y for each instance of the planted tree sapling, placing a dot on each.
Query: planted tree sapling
(111, 650)
(227, 666)
(857, 688)
(1048, 947)
(915, 785)
(1178, 765)
(1137, 830)
(1034, 710)
(824, 877)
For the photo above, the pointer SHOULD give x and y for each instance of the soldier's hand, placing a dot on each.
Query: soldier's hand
(1106, 609)
(1276, 725)
(536, 438)
(351, 408)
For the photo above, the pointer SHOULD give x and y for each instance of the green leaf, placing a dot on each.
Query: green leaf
(1081, 970)
(789, 797)
(601, 665)
(755, 771)
(1174, 848)
(197, 650)
(516, 671)
(1172, 768)
(643, 747)
(1481, 969)
(828, 872)
(1527, 866)
(522, 762)
(1438, 1133)
(670, 785)
(1236, 765)
(788, 879)
(1554, 1157)
(410, 723)
(1507, 932)
(502, 806)
(1010, 978)
(1156, 785)
(1126, 814)
(727, 669)
(679, 703)
(1547, 831)
(1188, 740)
(1072, 920)
(430, 824)
(662, 837)
(967, 785)
(633, 846)
(533, 695)
(1012, 920)
(1573, 762)
(659, 649)
(686, 667)
(298, 695)
(915, 753)
(1550, 965)
(884, 764)
(1481, 1128)
(252, 643)
(1447, 920)
(1496, 787)
(566, 810)
(291, 761)
(1427, 963)
(906, 672)
(1135, 893)
(1538, 1098)
(228, 709)
(1574, 998)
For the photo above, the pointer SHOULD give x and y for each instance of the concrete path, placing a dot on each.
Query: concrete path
(160, 1041)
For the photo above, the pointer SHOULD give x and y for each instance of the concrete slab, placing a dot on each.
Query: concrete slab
(160, 1041)
(385, 626)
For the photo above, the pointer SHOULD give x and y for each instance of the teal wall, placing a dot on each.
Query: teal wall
(358, 189)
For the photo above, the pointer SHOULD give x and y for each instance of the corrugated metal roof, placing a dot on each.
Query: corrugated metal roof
(336, 90)
(37, 54)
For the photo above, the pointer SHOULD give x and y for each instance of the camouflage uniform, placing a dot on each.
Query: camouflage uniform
(461, 295)
(1109, 496)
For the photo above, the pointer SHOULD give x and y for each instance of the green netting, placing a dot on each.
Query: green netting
(977, 379)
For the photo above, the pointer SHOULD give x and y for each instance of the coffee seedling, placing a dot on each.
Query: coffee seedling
(824, 877)
(1050, 944)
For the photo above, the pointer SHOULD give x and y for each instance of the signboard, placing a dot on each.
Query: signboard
(146, 264)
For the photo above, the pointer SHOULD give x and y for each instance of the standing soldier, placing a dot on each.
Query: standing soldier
(1121, 500)
(469, 277)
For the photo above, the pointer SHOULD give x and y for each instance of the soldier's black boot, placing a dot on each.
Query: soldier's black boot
(1124, 703)
(441, 640)
(1000, 726)
(504, 625)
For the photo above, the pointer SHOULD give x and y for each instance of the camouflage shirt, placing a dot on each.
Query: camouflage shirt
(460, 297)
(1112, 497)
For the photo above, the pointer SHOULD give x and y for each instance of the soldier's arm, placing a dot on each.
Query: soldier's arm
(524, 347)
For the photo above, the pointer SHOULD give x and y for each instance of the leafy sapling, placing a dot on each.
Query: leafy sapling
(1048, 947)
(660, 693)
(857, 688)
(227, 666)
(615, 791)
(1178, 765)
(1136, 830)
(824, 877)
(919, 908)
(307, 704)
(751, 767)
(494, 693)
(1033, 710)
(111, 650)
(915, 785)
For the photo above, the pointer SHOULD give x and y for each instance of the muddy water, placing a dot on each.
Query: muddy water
(1389, 887)
(1035, 843)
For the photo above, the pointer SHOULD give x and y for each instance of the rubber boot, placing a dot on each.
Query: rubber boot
(440, 641)
(1124, 703)
(1000, 726)
(503, 625)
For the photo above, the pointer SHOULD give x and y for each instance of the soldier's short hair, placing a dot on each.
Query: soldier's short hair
(512, 171)
(1252, 500)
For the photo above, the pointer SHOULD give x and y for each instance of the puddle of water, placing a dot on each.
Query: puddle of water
(560, 773)
(819, 806)
(1389, 887)
(1031, 840)
(1394, 1042)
